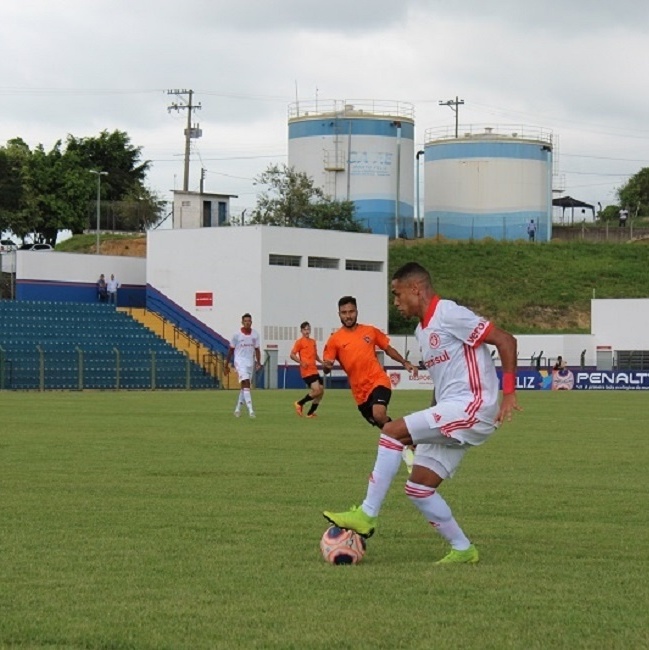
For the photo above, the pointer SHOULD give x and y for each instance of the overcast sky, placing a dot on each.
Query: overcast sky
(578, 68)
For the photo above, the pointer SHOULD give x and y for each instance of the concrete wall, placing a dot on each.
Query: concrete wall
(72, 277)
(621, 323)
(232, 265)
(550, 346)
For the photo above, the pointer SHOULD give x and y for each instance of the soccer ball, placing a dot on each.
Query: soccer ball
(342, 546)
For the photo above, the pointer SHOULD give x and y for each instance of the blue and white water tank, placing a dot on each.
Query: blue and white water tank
(360, 151)
(488, 182)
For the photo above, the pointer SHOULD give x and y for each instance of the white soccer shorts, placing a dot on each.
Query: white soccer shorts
(244, 372)
(443, 433)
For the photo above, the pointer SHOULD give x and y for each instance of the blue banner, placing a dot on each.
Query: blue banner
(583, 379)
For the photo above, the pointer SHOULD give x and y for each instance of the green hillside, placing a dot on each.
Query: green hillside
(537, 288)
(525, 288)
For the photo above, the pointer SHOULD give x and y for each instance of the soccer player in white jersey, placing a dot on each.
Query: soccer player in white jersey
(453, 346)
(244, 348)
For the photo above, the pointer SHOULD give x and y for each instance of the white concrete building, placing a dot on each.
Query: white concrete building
(201, 209)
(281, 276)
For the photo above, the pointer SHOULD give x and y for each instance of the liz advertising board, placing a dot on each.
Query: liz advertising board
(582, 379)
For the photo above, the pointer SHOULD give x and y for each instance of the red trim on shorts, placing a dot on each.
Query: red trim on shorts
(457, 425)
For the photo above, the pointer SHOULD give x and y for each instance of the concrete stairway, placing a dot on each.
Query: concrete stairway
(206, 358)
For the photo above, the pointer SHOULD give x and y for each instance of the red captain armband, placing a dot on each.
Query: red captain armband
(509, 383)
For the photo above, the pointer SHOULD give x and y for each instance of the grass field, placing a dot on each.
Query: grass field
(157, 520)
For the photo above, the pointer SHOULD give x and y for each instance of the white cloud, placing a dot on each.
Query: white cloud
(78, 67)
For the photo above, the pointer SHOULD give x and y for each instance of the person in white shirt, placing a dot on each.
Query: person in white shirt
(244, 349)
(111, 288)
(467, 411)
(624, 215)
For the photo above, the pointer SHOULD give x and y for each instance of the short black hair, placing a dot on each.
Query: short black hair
(411, 269)
(347, 300)
(246, 315)
(305, 324)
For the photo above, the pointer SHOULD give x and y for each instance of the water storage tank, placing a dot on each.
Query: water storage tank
(488, 182)
(361, 151)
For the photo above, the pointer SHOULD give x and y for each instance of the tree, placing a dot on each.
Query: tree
(44, 192)
(11, 187)
(634, 195)
(15, 200)
(112, 153)
(610, 213)
(292, 200)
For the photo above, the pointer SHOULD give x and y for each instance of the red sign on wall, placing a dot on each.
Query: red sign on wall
(204, 299)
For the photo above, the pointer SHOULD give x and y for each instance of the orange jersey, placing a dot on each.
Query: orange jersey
(307, 350)
(355, 350)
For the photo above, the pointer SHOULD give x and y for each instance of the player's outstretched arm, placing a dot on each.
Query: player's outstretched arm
(393, 354)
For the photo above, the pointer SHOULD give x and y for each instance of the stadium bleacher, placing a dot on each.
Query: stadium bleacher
(50, 346)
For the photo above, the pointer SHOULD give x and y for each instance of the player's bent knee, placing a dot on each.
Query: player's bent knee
(398, 430)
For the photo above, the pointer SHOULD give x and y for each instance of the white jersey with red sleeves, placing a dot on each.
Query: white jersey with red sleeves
(244, 346)
(451, 341)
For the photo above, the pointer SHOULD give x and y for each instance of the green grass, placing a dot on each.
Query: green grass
(87, 243)
(157, 520)
(542, 288)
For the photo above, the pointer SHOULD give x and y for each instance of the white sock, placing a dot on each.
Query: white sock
(437, 512)
(247, 399)
(388, 460)
(239, 400)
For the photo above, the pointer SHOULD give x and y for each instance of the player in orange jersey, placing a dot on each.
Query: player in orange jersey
(305, 352)
(354, 347)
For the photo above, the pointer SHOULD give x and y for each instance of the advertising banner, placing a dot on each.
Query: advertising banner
(582, 379)
(403, 380)
(566, 379)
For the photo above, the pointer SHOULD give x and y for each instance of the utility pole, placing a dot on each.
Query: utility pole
(190, 132)
(419, 227)
(99, 175)
(453, 104)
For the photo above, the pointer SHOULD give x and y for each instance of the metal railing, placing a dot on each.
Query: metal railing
(489, 132)
(351, 108)
(43, 369)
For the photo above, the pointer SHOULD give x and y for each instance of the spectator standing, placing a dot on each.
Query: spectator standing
(623, 215)
(102, 290)
(111, 289)
(531, 230)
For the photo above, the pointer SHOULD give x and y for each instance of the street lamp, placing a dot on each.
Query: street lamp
(99, 175)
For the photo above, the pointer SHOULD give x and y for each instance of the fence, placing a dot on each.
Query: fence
(47, 368)
(607, 232)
